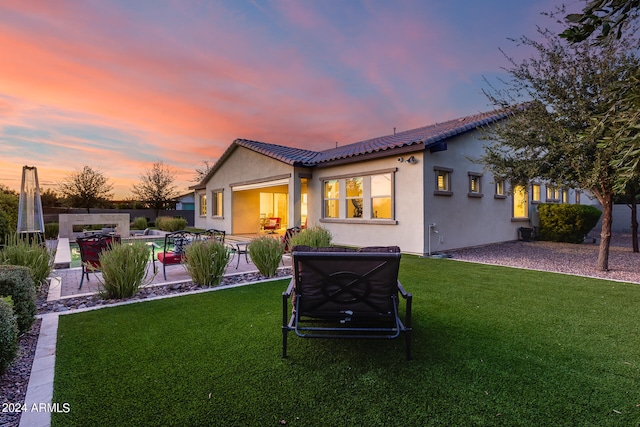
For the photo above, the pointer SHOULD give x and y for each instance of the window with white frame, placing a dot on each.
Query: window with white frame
(365, 197)
(381, 206)
(216, 202)
(353, 193)
(203, 205)
(331, 198)
(443, 181)
(475, 187)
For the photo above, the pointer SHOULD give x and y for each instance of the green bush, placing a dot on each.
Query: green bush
(316, 237)
(206, 261)
(566, 223)
(123, 268)
(140, 223)
(167, 223)
(8, 334)
(51, 230)
(266, 254)
(16, 282)
(37, 257)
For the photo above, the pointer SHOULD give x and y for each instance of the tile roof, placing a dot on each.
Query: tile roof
(426, 136)
(288, 155)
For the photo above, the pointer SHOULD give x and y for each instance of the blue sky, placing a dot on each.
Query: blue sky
(118, 85)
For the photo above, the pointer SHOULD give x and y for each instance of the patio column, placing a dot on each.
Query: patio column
(295, 201)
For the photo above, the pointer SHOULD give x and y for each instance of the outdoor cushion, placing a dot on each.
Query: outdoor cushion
(170, 258)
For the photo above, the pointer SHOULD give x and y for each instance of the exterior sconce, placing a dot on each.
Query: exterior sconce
(412, 160)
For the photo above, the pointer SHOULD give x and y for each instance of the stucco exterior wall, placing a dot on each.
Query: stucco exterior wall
(463, 220)
(408, 229)
(242, 166)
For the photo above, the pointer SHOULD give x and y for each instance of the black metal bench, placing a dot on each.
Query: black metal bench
(344, 293)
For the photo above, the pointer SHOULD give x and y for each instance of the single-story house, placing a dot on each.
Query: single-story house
(419, 189)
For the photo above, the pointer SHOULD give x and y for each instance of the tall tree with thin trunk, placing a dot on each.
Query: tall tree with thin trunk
(86, 188)
(156, 187)
(555, 136)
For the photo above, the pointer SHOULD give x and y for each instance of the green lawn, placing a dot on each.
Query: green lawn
(492, 346)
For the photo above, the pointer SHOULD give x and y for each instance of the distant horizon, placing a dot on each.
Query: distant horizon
(118, 85)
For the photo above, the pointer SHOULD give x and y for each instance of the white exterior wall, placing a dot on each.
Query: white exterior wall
(242, 166)
(407, 232)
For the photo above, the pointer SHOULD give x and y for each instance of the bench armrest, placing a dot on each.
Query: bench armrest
(402, 291)
(287, 293)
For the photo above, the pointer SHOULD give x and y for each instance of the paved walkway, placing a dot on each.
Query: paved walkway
(68, 284)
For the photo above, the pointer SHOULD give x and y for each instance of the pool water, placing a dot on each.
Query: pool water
(75, 251)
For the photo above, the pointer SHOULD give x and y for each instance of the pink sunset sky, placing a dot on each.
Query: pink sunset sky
(119, 84)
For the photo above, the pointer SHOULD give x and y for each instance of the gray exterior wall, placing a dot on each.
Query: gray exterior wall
(462, 220)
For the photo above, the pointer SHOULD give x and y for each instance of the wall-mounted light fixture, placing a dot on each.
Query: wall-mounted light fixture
(412, 160)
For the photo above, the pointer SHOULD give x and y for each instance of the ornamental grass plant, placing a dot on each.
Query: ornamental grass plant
(33, 255)
(266, 253)
(206, 261)
(492, 346)
(124, 268)
(317, 237)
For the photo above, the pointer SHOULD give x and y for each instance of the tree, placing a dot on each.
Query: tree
(202, 172)
(605, 15)
(8, 212)
(555, 137)
(86, 188)
(49, 198)
(156, 187)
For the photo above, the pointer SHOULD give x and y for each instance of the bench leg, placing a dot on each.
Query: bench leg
(285, 333)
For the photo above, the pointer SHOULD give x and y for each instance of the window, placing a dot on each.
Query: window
(553, 194)
(331, 199)
(216, 200)
(501, 191)
(353, 189)
(475, 189)
(520, 203)
(203, 205)
(535, 193)
(565, 196)
(368, 197)
(577, 197)
(381, 196)
(443, 181)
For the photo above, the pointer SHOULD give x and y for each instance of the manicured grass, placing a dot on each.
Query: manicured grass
(492, 346)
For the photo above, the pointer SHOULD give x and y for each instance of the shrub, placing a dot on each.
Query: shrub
(166, 223)
(8, 334)
(317, 237)
(140, 223)
(16, 282)
(566, 223)
(123, 268)
(206, 261)
(19, 251)
(266, 254)
(51, 230)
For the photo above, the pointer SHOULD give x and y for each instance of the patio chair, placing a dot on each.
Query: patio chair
(344, 293)
(212, 233)
(90, 249)
(272, 225)
(287, 237)
(175, 244)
